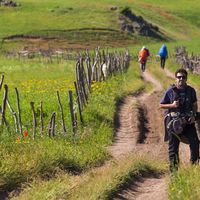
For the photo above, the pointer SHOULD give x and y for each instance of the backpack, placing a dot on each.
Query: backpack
(144, 53)
(175, 122)
(163, 51)
(175, 126)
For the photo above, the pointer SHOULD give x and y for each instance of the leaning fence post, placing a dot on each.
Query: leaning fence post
(84, 76)
(34, 119)
(89, 69)
(19, 111)
(72, 111)
(78, 93)
(51, 130)
(80, 83)
(14, 115)
(2, 78)
(41, 119)
(3, 109)
(62, 114)
(79, 102)
(53, 125)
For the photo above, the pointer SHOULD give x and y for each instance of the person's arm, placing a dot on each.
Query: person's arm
(166, 101)
(175, 104)
(195, 108)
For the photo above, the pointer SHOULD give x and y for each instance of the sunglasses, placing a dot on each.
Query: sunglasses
(179, 77)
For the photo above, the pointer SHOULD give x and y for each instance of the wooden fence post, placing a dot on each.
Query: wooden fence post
(78, 93)
(3, 108)
(14, 115)
(80, 83)
(93, 77)
(62, 114)
(89, 69)
(19, 111)
(89, 72)
(83, 82)
(53, 125)
(78, 101)
(34, 119)
(72, 111)
(2, 79)
(84, 76)
(51, 129)
(41, 119)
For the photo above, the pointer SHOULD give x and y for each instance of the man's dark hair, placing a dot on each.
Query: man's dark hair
(182, 71)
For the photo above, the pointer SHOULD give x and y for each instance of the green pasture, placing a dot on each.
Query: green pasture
(74, 20)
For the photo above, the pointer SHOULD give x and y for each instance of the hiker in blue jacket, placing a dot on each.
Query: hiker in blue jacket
(163, 55)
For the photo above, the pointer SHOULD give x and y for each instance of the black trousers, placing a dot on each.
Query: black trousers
(143, 66)
(191, 134)
(162, 62)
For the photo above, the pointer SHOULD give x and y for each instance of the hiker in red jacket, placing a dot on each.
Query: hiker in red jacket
(143, 55)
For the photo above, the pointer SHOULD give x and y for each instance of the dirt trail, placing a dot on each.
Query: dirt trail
(140, 131)
(129, 126)
(145, 188)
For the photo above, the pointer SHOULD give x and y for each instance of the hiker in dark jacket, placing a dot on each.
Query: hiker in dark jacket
(163, 53)
(180, 102)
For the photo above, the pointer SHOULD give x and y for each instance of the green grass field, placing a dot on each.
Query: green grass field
(56, 19)
(47, 168)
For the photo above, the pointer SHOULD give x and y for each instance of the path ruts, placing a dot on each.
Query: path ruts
(140, 131)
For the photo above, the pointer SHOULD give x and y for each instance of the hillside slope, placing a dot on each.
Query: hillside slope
(85, 23)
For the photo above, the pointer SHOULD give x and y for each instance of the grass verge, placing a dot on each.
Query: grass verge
(185, 184)
(99, 183)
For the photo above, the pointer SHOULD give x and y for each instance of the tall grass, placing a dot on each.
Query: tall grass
(98, 183)
(185, 184)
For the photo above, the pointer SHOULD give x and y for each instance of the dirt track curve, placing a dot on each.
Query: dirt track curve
(137, 128)
(140, 131)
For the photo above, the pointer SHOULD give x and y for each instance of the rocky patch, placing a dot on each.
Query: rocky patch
(131, 23)
(9, 3)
